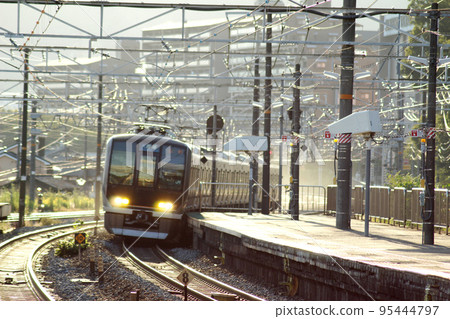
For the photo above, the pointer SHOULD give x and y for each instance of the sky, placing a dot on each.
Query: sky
(119, 18)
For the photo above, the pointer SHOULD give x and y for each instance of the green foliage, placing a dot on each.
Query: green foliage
(421, 30)
(413, 152)
(11, 195)
(66, 201)
(403, 180)
(68, 248)
(52, 201)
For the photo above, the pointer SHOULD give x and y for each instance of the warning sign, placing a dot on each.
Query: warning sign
(80, 238)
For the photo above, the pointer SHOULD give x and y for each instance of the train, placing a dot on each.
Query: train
(151, 180)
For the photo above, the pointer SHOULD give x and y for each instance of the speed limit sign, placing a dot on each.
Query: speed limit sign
(185, 277)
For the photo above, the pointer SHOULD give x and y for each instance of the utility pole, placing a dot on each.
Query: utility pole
(214, 159)
(23, 156)
(267, 110)
(296, 112)
(255, 129)
(280, 155)
(343, 199)
(33, 153)
(428, 215)
(99, 151)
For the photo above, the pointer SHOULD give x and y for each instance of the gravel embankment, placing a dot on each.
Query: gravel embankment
(119, 281)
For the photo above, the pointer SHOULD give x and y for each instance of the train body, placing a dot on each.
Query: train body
(151, 181)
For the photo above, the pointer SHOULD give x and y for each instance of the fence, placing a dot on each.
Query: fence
(311, 198)
(397, 205)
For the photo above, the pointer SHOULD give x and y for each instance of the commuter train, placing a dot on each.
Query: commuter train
(151, 180)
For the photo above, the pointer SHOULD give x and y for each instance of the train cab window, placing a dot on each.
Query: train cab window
(147, 159)
(171, 168)
(121, 168)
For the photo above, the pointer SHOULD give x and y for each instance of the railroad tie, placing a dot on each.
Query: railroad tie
(100, 269)
(91, 260)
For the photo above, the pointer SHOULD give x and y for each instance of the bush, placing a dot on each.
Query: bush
(403, 180)
(68, 248)
(52, 201)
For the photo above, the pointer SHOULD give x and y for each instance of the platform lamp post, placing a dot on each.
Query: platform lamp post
(367, 137)
(365, 123)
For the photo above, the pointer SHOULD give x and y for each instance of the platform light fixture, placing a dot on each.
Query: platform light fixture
(362, 75)
(331, 75)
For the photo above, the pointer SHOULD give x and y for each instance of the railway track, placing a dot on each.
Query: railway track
(18, 280)
(168, 271)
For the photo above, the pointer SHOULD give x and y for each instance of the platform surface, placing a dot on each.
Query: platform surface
(387, 246)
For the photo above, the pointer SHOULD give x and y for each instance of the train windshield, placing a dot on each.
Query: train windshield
(146, 165)
(122, 164)
(171, 168)
(151, 165)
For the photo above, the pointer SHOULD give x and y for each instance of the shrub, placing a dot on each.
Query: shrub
(68, 248)
(403, 180)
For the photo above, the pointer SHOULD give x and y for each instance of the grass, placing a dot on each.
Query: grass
(53, 201)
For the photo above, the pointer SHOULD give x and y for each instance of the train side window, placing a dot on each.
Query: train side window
(121, 169)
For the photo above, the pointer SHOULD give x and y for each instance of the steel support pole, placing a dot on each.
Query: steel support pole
(428, 215)
(367, 194)
(255, 132)
(267, 118)
(33, 155)
(99, 151)
(296, 147)
(280, 156)
(214, 159)
(23, 149)
(343, 198)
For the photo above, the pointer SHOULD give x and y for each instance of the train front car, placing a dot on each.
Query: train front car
(143, 186)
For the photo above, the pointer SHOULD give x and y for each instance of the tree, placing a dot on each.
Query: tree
(413, 150)
(421, 30)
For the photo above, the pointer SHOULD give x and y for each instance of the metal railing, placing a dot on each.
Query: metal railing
(224, 193)
(312, 198)
(397, 205)
(235, 196)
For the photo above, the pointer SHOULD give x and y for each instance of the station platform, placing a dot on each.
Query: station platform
(388, 247)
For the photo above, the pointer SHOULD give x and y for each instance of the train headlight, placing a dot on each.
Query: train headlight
(120, 201)
(165, 206)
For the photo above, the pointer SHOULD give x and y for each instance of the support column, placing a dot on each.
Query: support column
(296, 147)
(23, 149)
(343, 197)
(428, 214)
(267, 114)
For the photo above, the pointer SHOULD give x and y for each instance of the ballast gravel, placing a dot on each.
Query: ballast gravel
(69, 279)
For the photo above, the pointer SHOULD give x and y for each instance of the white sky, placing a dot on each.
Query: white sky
(119, 18)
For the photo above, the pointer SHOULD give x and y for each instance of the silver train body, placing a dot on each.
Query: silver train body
(151, 181)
